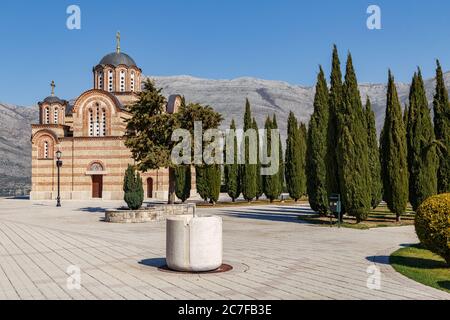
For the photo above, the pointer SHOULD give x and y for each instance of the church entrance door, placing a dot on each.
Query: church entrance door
(149, 188)
(97, 186)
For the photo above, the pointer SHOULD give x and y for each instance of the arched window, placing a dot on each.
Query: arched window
(97, 123)
(96, 167)
(91, 123)
(132, 81)
(100, 80)
(56, 115)
(110, 81)
(103, 124)
(122, 81)
(46, 150)
(46, 116)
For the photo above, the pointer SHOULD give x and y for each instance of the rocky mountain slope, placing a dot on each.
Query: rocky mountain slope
(226, 96)
(15, 148)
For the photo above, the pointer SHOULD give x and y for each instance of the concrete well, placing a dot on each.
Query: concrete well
(194, 244)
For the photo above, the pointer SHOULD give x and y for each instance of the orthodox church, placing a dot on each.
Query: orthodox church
(89, 133)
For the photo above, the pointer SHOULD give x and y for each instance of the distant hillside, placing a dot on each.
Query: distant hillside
(15, 148)
(225, 96)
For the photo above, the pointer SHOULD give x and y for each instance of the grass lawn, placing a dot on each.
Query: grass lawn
(378, 218)
(422, 266)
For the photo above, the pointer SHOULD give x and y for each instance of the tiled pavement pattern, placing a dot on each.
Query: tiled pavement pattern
(274, 257)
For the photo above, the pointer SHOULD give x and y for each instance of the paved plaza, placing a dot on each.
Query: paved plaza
(274, 256)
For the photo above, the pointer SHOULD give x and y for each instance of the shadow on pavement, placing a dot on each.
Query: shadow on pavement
(18, 198)
(154, 262)
(92, 209)
(411, 262)
(270, 216)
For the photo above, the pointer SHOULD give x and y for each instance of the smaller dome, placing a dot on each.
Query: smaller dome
(116, 59)
(54, 99)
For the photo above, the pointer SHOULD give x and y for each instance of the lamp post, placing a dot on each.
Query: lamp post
(58, 165)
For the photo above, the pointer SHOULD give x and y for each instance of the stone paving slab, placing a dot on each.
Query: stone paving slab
(274, 256)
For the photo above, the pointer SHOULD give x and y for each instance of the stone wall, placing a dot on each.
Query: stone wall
(154, 212)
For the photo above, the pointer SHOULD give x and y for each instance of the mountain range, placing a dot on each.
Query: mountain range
(266, 97)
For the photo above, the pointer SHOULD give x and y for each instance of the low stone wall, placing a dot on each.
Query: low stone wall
(154, 212)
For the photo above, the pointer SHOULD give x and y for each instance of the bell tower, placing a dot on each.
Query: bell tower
(118, 74)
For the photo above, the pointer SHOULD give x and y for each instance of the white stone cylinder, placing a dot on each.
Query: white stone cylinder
(194, 244)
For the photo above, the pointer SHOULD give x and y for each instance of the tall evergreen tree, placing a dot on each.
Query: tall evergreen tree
(374, 156)
(133, 189)
(405, 115)
(294, 171)
(393, 154)
(335, 105)
(214, 175)
(149, 133)
(352, 151)
(441, 108)
(271, 182)
(249, 179)
(259, 180)
(183, 182)
(280, 174)
(150, 128)
(303, 131)
(231, 171)
(208, 182)
(317, 148)
(422, 159)
(201, 181)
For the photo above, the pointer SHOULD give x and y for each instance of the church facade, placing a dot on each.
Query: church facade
(90, 135)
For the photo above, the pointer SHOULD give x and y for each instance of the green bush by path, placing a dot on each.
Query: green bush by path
(433, 225)
(133, 189)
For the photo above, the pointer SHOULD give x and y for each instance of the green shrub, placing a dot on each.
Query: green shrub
(132, 186)
(433, 225)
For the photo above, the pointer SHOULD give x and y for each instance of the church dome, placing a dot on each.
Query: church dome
(54, 99)
(118, 58)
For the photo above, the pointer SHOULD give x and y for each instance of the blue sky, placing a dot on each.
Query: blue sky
(217, 39)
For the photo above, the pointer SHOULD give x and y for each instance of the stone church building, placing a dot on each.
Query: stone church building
(89, 133)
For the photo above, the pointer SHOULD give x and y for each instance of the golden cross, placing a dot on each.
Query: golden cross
(53, 87)
(118, 41)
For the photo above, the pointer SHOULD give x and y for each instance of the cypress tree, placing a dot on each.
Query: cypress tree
(393, 154)
(271, 183)
(422, 160)
(280, 173)
(133, 189)
(183, 182)
(201, 181)
(214, 174)
(249, 181)
(317, 149)
(335, 103)
(374, 156)
(303, 131)
(259, 181)
(352, 151)
(441, 109)
(231, 171)
(405, 116)
(294, 166)
(208, 182)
